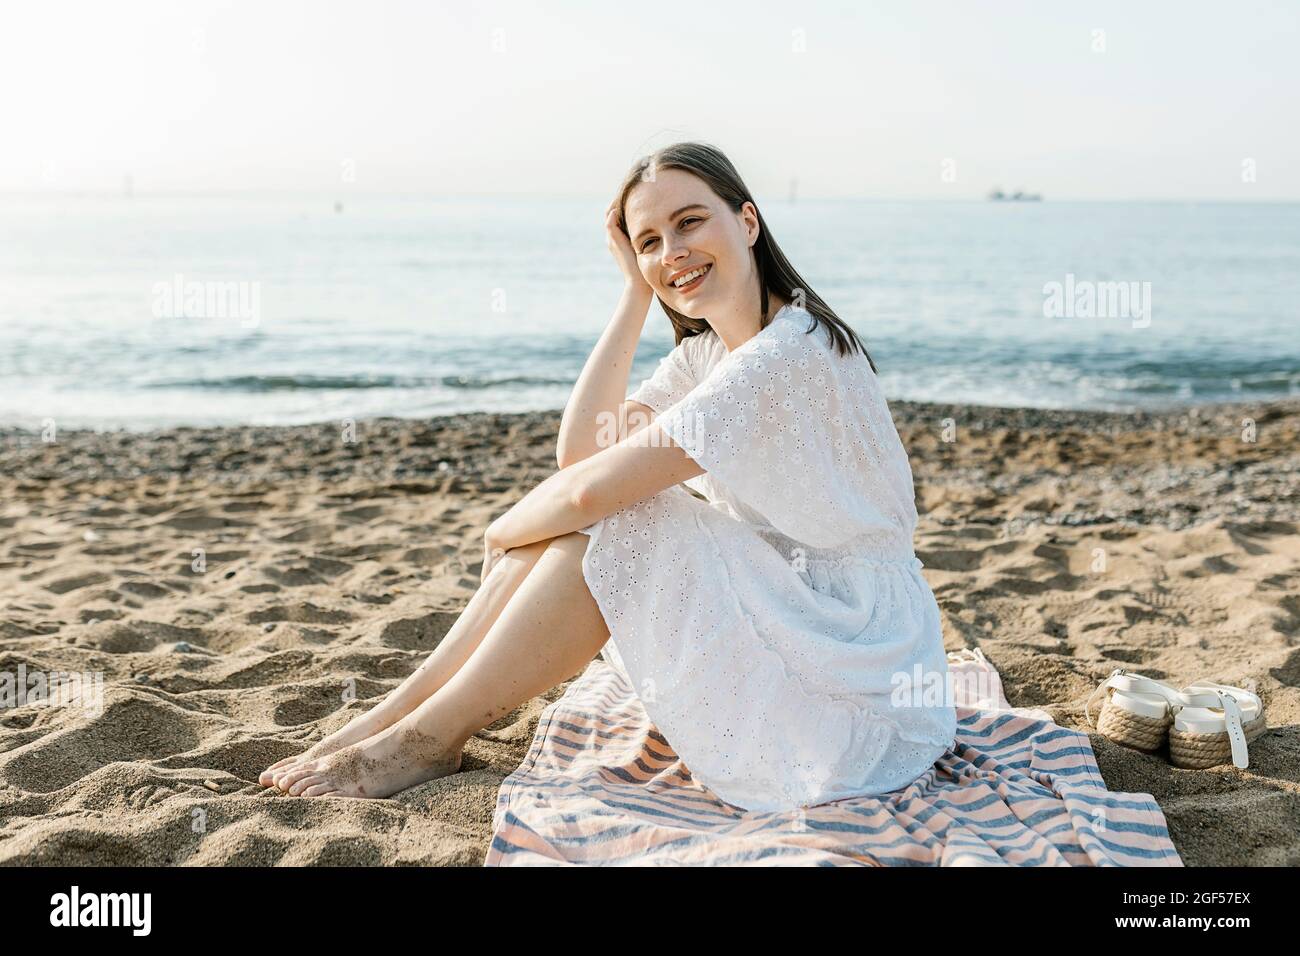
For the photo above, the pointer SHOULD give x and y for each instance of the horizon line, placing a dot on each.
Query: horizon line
(595, 197)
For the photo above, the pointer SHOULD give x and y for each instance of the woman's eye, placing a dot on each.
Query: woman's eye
(646, 244)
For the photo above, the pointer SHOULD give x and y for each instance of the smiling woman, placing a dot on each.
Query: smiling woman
(686, 209)
(764, 624)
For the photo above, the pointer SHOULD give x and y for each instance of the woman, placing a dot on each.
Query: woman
(769, 629)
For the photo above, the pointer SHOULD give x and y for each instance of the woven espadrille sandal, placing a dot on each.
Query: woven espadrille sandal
(1214, 725)
(1137, 712)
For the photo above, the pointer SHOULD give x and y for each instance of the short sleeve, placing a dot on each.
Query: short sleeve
(671, 381)
(800, 434)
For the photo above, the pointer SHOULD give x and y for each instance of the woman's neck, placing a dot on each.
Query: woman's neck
(732, 340)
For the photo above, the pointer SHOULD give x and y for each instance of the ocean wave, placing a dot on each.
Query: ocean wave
(285, 383)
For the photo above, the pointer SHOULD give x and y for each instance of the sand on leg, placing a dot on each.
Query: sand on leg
(549, 630)
(451, 653)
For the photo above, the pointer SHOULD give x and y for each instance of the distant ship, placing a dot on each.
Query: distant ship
(999, 196)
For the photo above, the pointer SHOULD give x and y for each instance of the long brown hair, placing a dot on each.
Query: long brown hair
(775, 273)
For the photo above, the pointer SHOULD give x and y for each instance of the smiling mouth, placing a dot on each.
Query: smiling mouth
(694, 283)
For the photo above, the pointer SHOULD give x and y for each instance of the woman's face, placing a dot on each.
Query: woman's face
(676, 225)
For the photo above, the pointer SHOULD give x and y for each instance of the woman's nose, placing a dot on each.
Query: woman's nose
(674, 251)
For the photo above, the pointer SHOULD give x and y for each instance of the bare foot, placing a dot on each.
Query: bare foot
(271, 775)
(390, 761)
(360, 728)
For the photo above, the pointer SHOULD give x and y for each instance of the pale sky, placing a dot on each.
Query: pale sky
(1096, 100)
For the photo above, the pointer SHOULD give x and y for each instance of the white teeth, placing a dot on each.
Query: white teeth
(690, 276)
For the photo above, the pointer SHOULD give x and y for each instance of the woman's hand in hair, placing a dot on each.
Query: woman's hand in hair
(620, 246)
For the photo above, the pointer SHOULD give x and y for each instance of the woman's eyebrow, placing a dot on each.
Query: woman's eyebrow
(694, 205)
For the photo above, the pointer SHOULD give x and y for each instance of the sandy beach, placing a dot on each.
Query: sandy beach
(245, 591)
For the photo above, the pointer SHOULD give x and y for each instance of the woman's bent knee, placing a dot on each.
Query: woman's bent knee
(575, 542)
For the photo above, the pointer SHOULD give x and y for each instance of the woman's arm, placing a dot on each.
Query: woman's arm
(603, 382)
(636, 468)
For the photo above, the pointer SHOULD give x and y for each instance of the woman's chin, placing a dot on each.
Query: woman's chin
(690, 306)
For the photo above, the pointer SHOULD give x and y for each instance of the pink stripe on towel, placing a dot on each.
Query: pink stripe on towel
(601, 786)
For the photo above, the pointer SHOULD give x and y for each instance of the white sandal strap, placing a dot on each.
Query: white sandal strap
(1092, 698)
(1239, 694)
(1229, 701)
(1112, 680)
(1232, 720)
(1122, 680)
(1236, 734)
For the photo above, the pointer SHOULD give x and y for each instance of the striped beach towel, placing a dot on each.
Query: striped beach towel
(601, 786)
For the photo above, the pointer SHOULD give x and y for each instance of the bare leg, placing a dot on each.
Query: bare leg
(550, 629)
(452, 651)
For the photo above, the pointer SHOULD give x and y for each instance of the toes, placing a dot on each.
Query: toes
(270, 773)
(277, 778)
(295, 774)
(282, 775)
(302, 784)
(320, 790)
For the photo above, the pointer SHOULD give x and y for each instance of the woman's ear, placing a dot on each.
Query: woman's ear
(749, 213)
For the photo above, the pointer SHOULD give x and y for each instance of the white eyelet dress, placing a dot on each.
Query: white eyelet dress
(780, 634)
